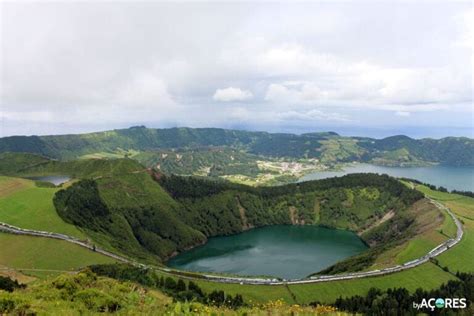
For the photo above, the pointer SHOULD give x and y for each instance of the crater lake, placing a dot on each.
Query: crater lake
(283, 251)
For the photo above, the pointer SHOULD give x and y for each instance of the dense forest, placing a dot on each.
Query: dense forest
(327, 147)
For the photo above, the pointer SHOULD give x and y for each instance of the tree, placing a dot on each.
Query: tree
(193, 287)
(181, 286)
(217, 298)
(170, 284)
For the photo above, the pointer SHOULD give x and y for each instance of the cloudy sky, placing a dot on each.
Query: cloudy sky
(360, 68)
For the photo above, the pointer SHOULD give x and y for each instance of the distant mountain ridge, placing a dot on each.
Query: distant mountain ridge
(329, 146)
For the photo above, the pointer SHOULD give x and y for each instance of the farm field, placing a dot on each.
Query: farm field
(25, 205)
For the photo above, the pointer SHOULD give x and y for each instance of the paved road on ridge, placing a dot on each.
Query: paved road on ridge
(266, 281)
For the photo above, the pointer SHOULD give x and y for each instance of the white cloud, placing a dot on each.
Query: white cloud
(362, 85)
(232, 94)
(124, 63)
(144, 89)
(402, 113)
(312, 115)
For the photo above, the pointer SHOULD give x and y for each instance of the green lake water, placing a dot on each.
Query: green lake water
(281, 251)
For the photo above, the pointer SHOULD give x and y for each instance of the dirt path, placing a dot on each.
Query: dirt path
(382, 220)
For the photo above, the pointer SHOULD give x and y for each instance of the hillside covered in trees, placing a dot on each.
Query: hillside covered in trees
(149, 145)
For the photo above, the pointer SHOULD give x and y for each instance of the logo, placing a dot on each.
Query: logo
(439, 303)
(432, 303)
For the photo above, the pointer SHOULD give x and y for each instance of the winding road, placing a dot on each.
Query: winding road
(262, 281)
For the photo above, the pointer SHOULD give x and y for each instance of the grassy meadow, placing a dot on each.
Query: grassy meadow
(459, 258)
(427, 276)
(31, 253)
(26, 205)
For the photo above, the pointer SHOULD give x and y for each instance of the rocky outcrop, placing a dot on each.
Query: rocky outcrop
(245, 224)
(294, 217)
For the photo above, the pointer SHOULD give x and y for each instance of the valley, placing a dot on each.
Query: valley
(253, 158)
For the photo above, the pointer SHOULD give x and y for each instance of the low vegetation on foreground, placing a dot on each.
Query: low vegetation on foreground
(132, 292)
(86, 293)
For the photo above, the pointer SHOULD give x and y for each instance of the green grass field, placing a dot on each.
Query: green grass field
(251, 293)
(425, 242)
(459, 258)
(433, 230)
(25, 205)
(415, 249)
(27, 252)
(427, 276)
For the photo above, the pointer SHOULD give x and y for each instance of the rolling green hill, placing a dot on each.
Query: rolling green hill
(328, 147)
(21, 164)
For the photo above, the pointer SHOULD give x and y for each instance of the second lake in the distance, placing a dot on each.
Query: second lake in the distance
(56, 180)
(452, 178)
(283, 251)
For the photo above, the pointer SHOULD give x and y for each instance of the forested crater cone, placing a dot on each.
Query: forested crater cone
(151, 216)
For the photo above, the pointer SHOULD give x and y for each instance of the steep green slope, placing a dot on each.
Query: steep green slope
(455, 151)
(15, 163)
(329, 147)
(21, 164)
(213, 161)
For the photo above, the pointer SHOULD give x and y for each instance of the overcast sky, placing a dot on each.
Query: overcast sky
(361, 68)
